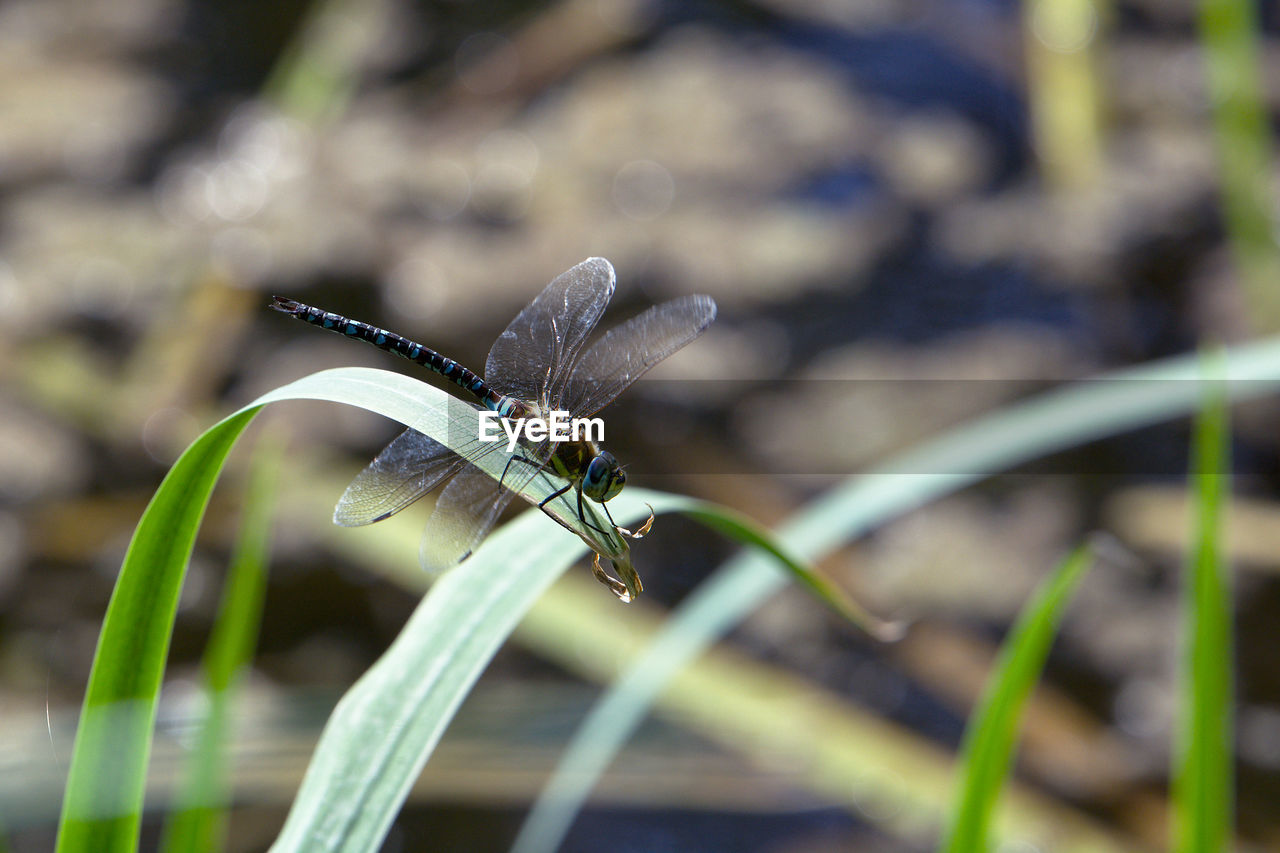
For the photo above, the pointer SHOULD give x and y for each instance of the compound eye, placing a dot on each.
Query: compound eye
(618, 480)
(603, 478)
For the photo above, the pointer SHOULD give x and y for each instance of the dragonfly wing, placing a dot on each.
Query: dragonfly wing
(534, 356)
(626, 352)
(406, 469)
(469, 506)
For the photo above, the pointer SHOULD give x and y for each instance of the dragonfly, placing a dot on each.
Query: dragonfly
(537, 366)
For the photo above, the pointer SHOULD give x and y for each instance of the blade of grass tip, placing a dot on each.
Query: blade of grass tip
(738, 527)
(1202, 774)
(317, 72)
(198, 820)
(1119, 401)
(102, 807)
(989, 740)
(1060, 41)
(1228, 31)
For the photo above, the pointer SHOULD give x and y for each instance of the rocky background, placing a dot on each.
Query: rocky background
(909, 213)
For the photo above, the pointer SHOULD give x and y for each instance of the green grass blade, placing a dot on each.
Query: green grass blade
(385, 728)
(833, 748)
(102, 808)
(198, 821)
(1113, 403)
(746, 532)
(989, 740)
(383, 732)
(1228, 32)
(1202, 772)
(1060, 48)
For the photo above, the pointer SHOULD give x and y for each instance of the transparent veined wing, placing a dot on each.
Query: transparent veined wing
(414, 464)
(406, 469)
(626, 352)
(470, 504)
(532, 359)
(410, 466)
(464, 512)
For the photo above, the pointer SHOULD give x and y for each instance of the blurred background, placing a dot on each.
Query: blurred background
(909, 213)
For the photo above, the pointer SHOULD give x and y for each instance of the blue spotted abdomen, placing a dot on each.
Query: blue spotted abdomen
(405, 348)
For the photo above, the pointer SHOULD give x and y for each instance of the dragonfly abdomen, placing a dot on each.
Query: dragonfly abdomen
(405, 348)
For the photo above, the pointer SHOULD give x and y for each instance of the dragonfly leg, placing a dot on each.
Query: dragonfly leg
(518, 458)
(549, 498)
(582, 516)
(617, 587)
(640, 533)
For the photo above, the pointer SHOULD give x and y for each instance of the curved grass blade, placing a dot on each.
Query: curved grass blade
(736, 526)
(382, 732)
(1202, 772)
(1236, 88)
(825, 744)
(103, 804)
(102, 808)
(1116, 402)
(380, 735)
(198, 821)
(988, 746)
(385, 728)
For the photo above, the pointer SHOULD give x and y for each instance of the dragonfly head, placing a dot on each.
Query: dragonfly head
(604, 477)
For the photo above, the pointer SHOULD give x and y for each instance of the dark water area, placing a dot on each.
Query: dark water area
(902, 301)
(916, 72)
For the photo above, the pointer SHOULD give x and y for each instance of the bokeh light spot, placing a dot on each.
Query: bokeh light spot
(643, 190)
